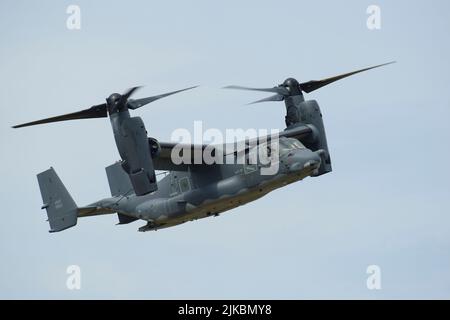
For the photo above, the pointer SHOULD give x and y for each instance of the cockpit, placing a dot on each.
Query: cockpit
(288, 144)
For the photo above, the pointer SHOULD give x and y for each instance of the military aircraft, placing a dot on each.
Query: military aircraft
(191, 190)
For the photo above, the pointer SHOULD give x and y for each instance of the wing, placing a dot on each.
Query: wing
(164, 159)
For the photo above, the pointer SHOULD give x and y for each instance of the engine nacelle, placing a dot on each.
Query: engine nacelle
(132, 144)
(154, 147)
(308, 113)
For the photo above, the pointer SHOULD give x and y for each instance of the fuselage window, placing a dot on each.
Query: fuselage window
(174, 186)
(185, 185)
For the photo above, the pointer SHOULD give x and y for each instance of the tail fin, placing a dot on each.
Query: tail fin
(119, 181)
(120, 185)
(61, 209)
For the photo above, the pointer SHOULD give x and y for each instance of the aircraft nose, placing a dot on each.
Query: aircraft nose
(303, 159)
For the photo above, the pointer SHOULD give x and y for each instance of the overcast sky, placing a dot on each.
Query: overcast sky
(386, 203)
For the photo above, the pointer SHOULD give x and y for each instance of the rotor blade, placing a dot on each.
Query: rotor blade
(137, 103)
(98, 111)
(316, 84)
(279, 90)
(127, 94)
(277, 97)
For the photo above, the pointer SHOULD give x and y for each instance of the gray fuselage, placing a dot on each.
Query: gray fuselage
(208, 190)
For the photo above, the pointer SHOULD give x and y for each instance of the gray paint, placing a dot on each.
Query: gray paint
(196, 191)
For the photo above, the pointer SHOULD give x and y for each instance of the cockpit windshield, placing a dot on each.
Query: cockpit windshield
(287, 144)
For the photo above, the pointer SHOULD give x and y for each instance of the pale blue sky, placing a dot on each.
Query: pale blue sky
(386, 202)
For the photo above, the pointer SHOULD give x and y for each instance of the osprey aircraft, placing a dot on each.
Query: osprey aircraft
(191, 190)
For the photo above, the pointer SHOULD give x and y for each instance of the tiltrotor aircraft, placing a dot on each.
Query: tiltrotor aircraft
(192, 190)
